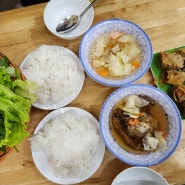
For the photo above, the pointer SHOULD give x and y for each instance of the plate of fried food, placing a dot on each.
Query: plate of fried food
(168, 68)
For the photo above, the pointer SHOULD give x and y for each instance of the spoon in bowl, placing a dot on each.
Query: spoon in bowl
(72, 21)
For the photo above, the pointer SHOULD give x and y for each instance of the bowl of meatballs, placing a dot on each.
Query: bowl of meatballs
(140, 125)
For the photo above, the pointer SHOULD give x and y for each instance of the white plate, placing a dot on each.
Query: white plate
(71, 97)
(40, 158)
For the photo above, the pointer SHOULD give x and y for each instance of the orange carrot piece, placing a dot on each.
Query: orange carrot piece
(103, 72)
(135, 64)
(133, 121)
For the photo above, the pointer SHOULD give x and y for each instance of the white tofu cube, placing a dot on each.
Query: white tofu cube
(150, 143)
(115, 34)
(128, 68)
(97, 63)
(98, 51)
(126, 38)
(115, 49)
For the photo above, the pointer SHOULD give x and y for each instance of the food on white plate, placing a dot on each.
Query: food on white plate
(139, 124)
(115, 55)
(16, 97)
(70, 143)
(55, 70)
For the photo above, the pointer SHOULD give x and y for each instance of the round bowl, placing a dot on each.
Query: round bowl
(139, 175)
(174, 125)
(56, 10)
(121, 25)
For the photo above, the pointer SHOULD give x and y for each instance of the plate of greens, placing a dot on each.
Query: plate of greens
(157, 72)
(16, 96)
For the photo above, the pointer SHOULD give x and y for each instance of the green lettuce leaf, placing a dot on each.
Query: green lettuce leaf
(26, 89)
(5, 79)
(14, 111)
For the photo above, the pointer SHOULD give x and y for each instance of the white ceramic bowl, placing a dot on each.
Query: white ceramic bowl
(57, 10)
(136, 175)
(116, 25)
(174, 120)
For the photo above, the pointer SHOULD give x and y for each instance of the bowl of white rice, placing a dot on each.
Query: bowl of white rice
(58, 73)
(66, 146)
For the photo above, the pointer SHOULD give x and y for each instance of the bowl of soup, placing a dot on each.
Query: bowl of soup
(140, 125)
(115, 52)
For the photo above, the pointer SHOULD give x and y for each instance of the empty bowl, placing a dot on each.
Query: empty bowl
(56, 10)
(139, 176)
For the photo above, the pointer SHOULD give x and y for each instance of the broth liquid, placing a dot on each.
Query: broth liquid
(158, 113)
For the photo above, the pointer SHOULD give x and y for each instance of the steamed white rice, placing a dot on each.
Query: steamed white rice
(70, 143)
(56, 71)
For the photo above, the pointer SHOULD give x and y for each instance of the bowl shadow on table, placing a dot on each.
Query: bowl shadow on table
(107, 172)
(111, 170)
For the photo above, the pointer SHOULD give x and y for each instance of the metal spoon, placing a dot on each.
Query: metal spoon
(71, 21)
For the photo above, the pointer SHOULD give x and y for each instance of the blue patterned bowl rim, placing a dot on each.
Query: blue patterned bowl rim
(172, 112)
(120, 25)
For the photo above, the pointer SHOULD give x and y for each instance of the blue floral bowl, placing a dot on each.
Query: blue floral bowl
(174, 121)
(121, 25)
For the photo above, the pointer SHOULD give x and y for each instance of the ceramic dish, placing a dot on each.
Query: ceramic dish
(121, 25)
(138, 176)
(174, 131)
(40, 158)
(157, 72)
(65, 53)
(57, 10)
